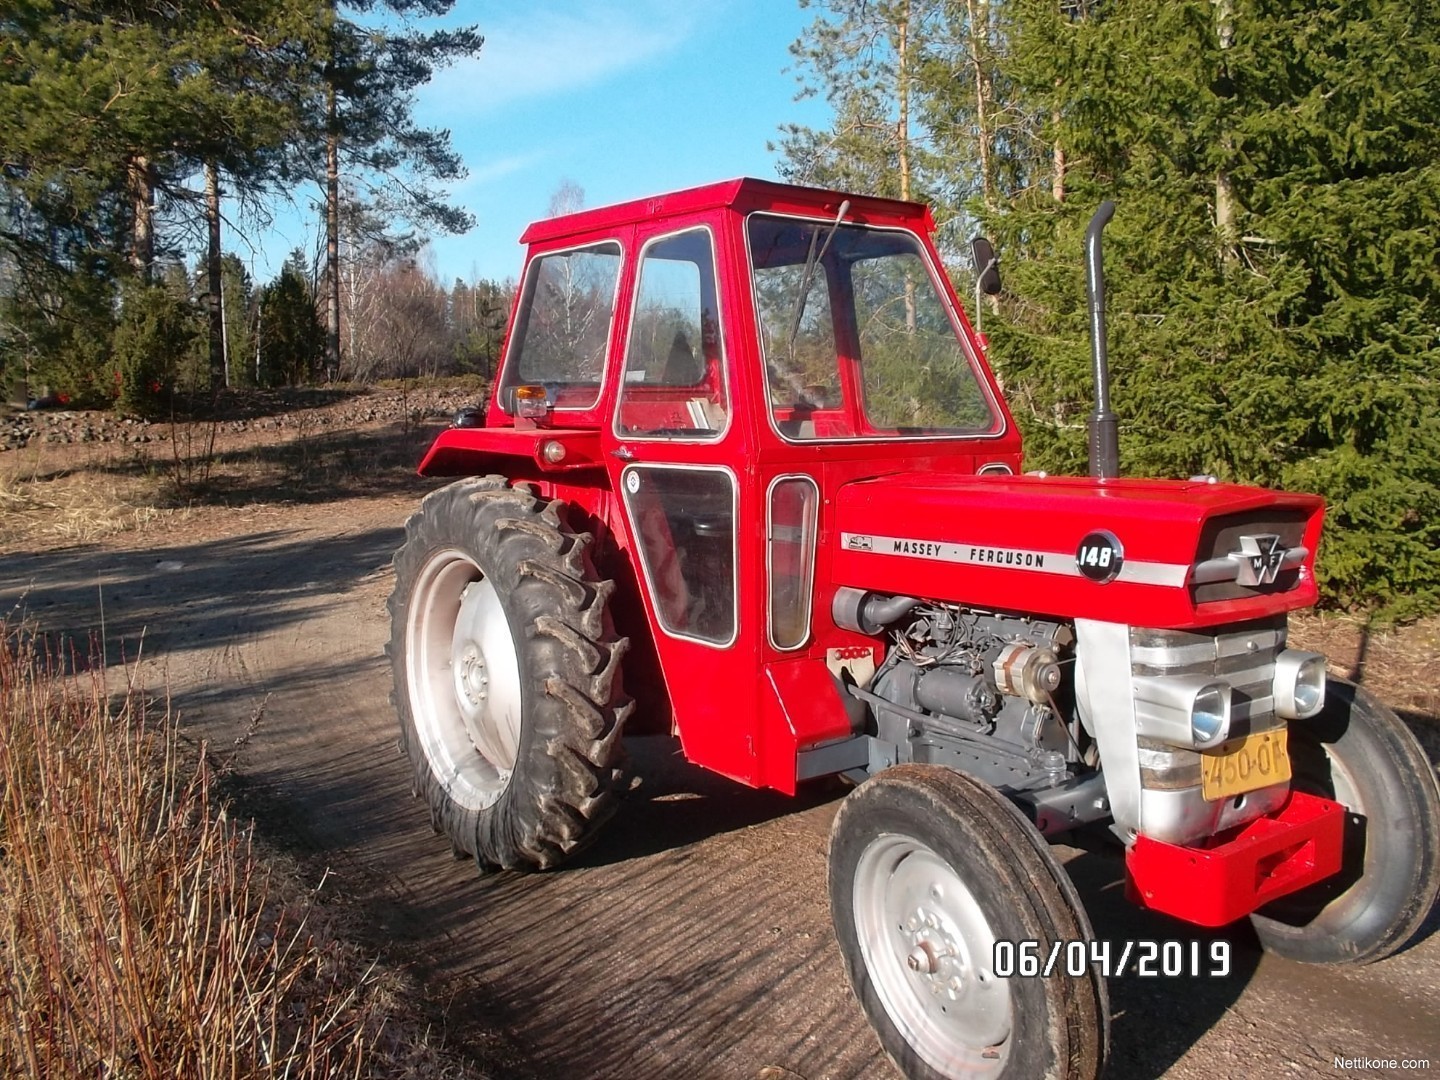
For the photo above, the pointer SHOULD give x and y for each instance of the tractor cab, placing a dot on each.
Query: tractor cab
(707, 369)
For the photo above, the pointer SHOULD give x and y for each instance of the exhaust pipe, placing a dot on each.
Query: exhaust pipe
(1104, 432)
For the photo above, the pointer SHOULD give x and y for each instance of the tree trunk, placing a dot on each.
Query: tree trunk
(902, 134)
(213, 304)
(142, 195)
(978, 16)
(1224, 192)
(902, 93)
(1057, 180)
(332, 234)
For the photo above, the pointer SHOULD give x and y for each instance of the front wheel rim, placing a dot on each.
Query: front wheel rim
(463, 679)
(928, 950)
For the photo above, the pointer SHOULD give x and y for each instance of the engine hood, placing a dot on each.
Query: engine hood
(1156, 553)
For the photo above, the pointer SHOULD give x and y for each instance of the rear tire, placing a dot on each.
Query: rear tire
(928, 870)
(1359, 753)
(507, 675)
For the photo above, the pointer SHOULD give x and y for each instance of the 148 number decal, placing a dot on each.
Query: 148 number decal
(1100, 556)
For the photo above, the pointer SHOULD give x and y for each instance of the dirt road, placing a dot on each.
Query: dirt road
(693, 940)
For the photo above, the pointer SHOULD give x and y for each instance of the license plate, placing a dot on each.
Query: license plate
(1242, 765)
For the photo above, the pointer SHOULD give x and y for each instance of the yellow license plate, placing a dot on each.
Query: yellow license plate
(1242, 765)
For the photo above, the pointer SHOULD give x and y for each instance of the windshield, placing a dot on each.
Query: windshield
(858, 339)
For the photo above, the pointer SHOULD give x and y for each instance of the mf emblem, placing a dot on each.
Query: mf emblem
(860, 543)
(1260, 558)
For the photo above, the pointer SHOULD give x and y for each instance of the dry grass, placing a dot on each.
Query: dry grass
(77, 507)
(141, 935)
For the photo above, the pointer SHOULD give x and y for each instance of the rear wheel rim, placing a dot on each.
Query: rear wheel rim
(928, 950)
(464, 679)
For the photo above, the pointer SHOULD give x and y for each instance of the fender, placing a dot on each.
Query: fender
(520, 453)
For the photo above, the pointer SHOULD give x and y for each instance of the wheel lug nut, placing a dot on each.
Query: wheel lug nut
(921, 960)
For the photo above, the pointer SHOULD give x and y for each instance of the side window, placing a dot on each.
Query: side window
(674, 385)
(563, 325)
(790, 557)
(684, 522)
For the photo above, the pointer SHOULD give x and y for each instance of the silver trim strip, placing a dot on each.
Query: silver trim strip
(1045, 562)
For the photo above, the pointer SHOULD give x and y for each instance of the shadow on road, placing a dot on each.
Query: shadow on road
(1157, 1018)
(312, 464)
(187, 597)
(678, 804)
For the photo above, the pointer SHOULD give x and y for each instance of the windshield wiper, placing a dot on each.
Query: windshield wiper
(811, 259)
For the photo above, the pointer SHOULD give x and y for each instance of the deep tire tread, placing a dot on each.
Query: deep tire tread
(569, 770)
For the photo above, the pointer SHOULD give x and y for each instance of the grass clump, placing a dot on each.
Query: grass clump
(140, 933)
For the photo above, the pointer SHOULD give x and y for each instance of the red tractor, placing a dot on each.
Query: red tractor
(744, 450)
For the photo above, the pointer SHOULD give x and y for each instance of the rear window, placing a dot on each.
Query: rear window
(562, 327)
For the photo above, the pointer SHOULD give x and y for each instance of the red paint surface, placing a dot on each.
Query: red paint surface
(1239, 872)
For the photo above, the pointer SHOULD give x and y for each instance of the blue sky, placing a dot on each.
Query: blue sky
(626, 99)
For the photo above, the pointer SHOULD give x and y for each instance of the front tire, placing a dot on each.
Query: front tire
(507, 674)
(928, 870)
(1359, 753)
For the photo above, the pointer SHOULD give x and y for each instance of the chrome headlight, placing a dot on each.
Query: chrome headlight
(1299, 685)
(1183, 710)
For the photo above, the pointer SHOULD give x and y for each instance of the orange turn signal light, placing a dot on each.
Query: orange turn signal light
(531, 402)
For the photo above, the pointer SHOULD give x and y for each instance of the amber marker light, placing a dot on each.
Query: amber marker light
(531, 402)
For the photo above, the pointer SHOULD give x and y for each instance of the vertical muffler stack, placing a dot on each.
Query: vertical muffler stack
(1104, 432)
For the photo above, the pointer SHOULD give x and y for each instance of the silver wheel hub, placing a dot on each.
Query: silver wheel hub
(464, 679)
(937, 955)
(928, 949)
(470, 678)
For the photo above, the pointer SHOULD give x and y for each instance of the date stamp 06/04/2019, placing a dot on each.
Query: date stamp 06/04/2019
(1145, 959)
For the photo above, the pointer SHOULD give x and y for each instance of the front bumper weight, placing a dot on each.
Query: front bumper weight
(1240, 870)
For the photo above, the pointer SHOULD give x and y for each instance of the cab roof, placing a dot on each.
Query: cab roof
(744, 195)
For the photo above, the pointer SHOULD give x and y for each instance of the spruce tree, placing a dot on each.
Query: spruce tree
(1272, 277)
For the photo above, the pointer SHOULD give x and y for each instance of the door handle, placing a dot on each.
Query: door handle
(624, 453)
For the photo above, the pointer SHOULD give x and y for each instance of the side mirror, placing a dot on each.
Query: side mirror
(987, 266)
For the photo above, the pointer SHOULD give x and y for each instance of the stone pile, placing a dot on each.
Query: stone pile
(289, 412)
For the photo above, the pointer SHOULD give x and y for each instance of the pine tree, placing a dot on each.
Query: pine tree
(291, 338)
(107, 109)
(867, 58)
(369, 133)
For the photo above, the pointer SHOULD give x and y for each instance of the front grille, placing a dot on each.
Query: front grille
(1221, 536)
(1242, 654)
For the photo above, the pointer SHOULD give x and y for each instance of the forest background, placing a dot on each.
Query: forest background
(1274, 286)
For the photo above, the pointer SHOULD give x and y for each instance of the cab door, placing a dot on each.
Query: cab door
(676, 454)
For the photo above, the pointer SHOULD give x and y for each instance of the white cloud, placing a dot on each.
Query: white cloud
(479, 176)
(550, 52)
